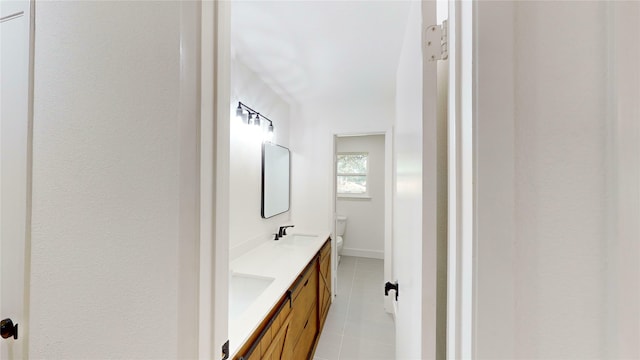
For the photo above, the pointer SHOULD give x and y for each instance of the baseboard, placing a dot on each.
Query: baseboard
(373, 254)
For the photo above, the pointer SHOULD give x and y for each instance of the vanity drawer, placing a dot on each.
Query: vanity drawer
(307, 337)
(303, 281)
(303, 305)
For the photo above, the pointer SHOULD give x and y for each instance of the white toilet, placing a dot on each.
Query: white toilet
(341, 225)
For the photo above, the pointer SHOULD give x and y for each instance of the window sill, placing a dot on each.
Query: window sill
(354, 196)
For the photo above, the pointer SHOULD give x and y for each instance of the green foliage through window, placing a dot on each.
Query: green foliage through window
(352, 173)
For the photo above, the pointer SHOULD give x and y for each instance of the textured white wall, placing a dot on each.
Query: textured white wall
(495, 192)
(247, 228)
(365, 225)
(560, 113)
(109, 213)
(545, 169)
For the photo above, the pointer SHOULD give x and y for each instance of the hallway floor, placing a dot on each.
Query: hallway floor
(357, 326)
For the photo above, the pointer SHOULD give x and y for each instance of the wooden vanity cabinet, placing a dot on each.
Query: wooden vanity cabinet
(304, 321)
(268, 342)
(292, 329)
(324, 283)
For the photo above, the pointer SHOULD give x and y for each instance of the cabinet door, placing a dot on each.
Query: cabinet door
(304, 302)
(324, 284)
(273, 329)
(308, 336)
(276, 350)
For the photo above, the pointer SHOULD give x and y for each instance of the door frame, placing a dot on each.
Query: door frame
(215, 94)
(623, 177)
(462, 175)
(389, 180)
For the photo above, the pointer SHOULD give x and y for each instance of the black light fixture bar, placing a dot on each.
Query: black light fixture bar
(242, 106)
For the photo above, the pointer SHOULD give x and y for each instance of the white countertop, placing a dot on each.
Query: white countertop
(282, 260)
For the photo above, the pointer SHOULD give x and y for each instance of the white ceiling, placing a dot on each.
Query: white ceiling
(344, 50)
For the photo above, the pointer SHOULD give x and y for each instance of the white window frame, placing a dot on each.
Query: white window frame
(364, 195)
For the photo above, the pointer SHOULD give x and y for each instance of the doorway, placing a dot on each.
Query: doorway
(359, 323)
(325, 102)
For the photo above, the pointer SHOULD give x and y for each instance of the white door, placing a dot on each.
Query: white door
(417, 217)
(14, 130)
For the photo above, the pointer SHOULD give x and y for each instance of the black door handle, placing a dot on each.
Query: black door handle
(389, 286)
(7, 329)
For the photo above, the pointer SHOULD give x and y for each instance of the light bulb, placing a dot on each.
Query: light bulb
(267, 136)
(256, 121)
(239, 111)
(249, 119)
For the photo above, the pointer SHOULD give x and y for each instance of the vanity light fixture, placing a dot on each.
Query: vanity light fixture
(239, 111)
(268, 136)
(252, 117)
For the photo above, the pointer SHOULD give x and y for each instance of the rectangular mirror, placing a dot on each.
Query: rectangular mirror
(275, 179)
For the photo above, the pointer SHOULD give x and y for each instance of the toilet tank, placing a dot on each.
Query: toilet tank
(341, 225)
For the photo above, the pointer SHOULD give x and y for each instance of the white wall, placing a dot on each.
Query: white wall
(113, 258)
(313, 125)
(544, 170)
(364, 235)
(247, 228)
(495, 218)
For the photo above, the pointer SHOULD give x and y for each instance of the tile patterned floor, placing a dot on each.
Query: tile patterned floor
(357, 326)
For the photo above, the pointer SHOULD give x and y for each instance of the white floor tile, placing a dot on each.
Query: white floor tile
(369, 311)
(357, 324)
(346, 272)
(359, 348)
(335, 321)
(340, 304)
(368, 273)
(377, 296)
(363, 264)
(344, 289)
(375, 331)
(329, 345)
(347, 262)
(376, 262)
(368, 285)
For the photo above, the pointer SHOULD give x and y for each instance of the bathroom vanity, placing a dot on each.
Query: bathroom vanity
(280, 297)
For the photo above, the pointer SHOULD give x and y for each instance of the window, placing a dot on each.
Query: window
(352, 171)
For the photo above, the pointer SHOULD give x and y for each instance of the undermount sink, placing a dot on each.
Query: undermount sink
(294, 239)
(244, 289)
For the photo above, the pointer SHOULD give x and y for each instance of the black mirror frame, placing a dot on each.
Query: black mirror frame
(262, 181)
